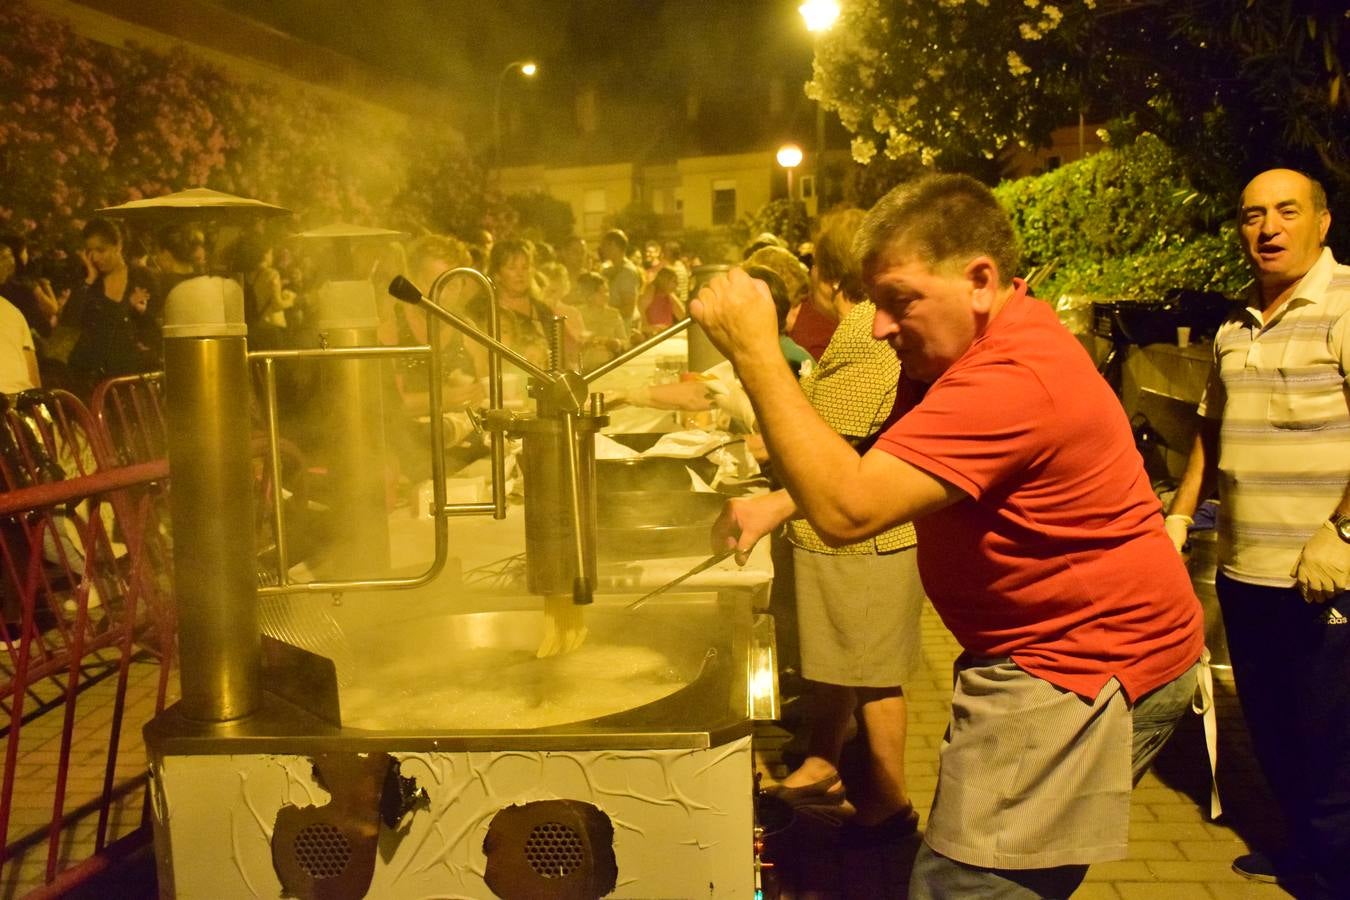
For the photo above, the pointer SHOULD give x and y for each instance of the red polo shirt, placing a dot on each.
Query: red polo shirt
(1058, 558)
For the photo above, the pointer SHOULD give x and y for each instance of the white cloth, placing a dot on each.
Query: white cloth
(16, 342)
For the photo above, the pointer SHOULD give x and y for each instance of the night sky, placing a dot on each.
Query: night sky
(743, 62)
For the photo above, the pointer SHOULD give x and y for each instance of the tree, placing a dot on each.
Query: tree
(784, 218)
(552, 218)
(951, 82)
(639, 222)
(444, 188)
(1234, 85)
(1124, 223)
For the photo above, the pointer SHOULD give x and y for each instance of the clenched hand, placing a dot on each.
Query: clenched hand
(737, 313)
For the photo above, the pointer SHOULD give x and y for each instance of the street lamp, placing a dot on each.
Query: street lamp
(789, 157)
(526, 67)
(820, 16)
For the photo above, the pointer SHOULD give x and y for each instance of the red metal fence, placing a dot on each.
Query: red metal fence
(84, 584)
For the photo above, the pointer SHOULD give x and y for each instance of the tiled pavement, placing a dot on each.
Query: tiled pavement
(35, 771)
(1176, 853)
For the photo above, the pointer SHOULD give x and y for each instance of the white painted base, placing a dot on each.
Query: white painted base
(683, 819)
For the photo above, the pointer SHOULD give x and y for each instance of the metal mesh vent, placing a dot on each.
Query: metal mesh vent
(322, 850)
(554, 850)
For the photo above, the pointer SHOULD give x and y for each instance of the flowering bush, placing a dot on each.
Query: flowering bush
(84, 125)
(1231, 85)
(1124, 223)
(946, 80)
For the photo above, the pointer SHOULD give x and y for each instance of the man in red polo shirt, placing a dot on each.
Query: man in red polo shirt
(1040, 541)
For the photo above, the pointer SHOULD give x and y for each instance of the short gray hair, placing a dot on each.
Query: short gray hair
(941, 219)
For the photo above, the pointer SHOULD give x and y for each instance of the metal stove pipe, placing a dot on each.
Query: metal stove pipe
(206, 386)
(353, 412)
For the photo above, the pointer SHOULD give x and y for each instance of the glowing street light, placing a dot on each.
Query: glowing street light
(526, 67)
(789, 157)
(819, 15)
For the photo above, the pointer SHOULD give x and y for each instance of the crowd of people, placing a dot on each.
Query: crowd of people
(94, 311)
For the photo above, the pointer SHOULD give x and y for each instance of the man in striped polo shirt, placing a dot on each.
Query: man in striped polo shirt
(1275, 428)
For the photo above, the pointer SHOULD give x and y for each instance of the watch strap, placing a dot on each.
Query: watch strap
(1340, 523)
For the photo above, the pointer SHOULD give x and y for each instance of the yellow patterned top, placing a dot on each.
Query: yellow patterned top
(853, 389)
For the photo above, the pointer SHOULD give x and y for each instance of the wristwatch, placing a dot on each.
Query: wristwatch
(1340, 523)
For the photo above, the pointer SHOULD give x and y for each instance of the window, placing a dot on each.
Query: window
(808, 187)
(594, 206)
(723, 202)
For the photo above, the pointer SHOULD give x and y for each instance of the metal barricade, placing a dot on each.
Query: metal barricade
(85, 589)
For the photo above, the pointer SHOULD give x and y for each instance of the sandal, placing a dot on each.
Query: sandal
(817, 794)
(815, 800)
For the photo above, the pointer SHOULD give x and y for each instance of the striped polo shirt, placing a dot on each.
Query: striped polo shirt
(853, 389)
(1282, 393)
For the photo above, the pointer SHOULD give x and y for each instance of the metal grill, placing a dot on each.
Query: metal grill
(554, 850)
(322, 850)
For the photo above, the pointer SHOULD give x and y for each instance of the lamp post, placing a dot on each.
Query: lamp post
(790, 157)
(819, 16)
(526, 68)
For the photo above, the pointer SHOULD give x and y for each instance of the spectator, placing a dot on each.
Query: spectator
(1275, 429)
(816, 318)
(857, 606)
(572, 253)
(606, 333)
(265, 303)
(18, 356)
(557, 288)
(31, 295)
(428, 258)
(672, 257)
(136, 253)
(651, 261)
(1040, 540)
(796, 284)
(760, 241)
(625, 281)
(658, 307)
(175, 249)
(106, 345)
(146, 351)
(525, 320)
(408, 398)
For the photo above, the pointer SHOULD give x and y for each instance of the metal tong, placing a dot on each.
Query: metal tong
(679, 579)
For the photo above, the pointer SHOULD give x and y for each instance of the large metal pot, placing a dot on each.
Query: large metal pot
(650, 473)
(654, 524)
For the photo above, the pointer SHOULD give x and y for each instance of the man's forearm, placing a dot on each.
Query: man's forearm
(809, 456)
(1198, 478)
(845, 497)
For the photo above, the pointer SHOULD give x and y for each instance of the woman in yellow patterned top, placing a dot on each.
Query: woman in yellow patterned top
(857, 606)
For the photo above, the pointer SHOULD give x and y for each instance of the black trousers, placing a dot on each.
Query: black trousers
(1291, 664)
